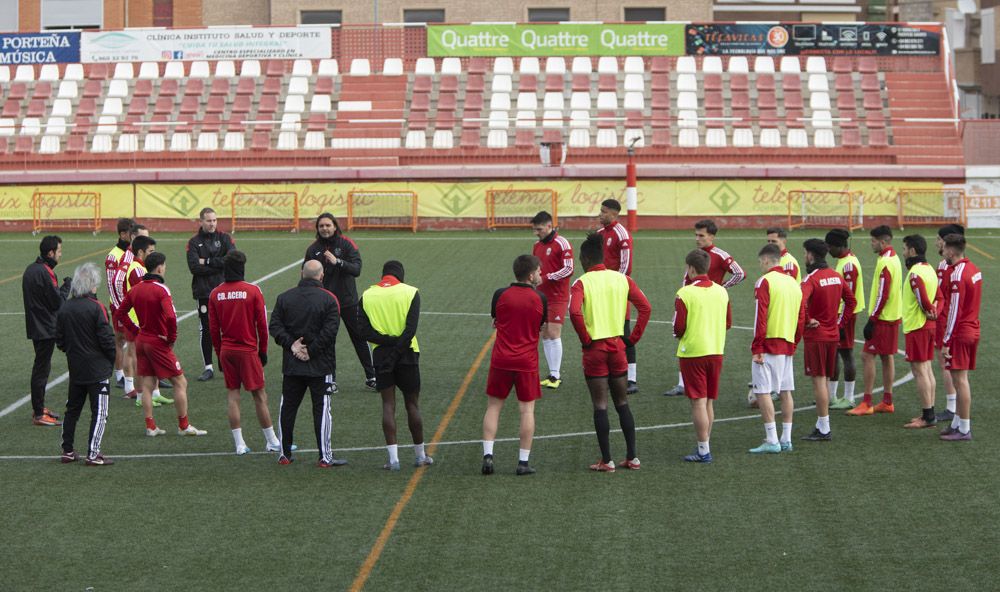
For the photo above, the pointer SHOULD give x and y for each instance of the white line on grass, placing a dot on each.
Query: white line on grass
(901, 381)
(65, 375)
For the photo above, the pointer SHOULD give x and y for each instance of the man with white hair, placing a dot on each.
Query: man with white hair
(83, 331)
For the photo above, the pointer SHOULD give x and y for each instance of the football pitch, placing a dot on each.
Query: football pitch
(878, 508)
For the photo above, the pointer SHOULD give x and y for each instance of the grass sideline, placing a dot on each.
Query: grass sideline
(877, 508)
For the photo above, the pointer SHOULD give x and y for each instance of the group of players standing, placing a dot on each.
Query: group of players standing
(937, 310)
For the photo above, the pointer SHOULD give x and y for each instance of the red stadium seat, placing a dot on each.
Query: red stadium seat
(18, 90)
(194, 87)
(446, 102)
(660, 64)
(43, 91)
(169, 87)
(470, 139)
(850, 138)
(86, 108)
(581, 83)
(607, 83)
(527, 84)
(75, 144)
(713, 82)
(24, 145)
(420, 102)
(272, 86)
(275, 68)
(843, 82)
(659, 82)
(143, 88)
(190, 105)
(842, 65)
(477, 66)
(241, 104)
(870, 83)
(738, 82)
(36, 108)
(423, 84)
(261, 141)
(867, 65)
(215, 105)
(448, 83)
(268, 105)
(475, 83)
(324, 86)
(524, 138)
(11, 109)
(765, 82)
(877, 137)
(164, 106)
(791, 82)
(793, 100)
(473, 102)
(246, 86)
(554, 83)
(98, 72)
(138, 106)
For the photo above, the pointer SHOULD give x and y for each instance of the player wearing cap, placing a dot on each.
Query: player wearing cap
(848, 266)
(829, 307)
(156, 333)
(519, 312)
(921, 305)
(237, 322)
(390, 311)
(720, 263)
(598, 303)
(556, 256)
(702, 315)
(882, 329)
(961, 334)
(778, 323)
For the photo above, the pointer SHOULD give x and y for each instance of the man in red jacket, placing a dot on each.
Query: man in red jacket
(823, 290)
(237, 322)
(157, 332)
(964, 289)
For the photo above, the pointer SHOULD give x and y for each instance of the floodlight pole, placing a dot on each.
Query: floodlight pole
(631, 194)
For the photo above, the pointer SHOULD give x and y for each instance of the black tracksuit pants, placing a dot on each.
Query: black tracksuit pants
(293, 390)
(40, 373)
(78, 394)
(350, 317)
(204, 333)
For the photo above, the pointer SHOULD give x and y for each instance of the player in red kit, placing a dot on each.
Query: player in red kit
(111, 263)
(598, 304)
(156, 334)
(237, 322)
(964, 286)
(519, 312)
(823, 292)
(616, 243)
(720, 263)
(943, 271)
(556, 256)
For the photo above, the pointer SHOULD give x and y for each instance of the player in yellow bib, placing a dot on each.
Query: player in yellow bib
(921, 303)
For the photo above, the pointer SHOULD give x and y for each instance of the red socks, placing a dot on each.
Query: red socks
(887, 398)
(868, 399)
(150, 423)
(182, 422)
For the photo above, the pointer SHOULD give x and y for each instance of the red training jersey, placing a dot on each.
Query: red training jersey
(720, 263)
(617, 244)
(556, 255)
(518, 314)
(681, 311)
(237, 318)
(822, 292)
(943, 271)
(154, 306)
(771, 345)
(964, 288)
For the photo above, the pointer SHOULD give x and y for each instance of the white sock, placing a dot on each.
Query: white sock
(964, 425)
(951, 399)
(418, 450)
(129, 384)
(849, 391)
(834, 386)
(631, 372)
(703, 448)
(209, 367)
(393, 453)
(156, 393)
(955, 422)
(487, 447)
(823, 424)
(238, 438)
(770, 433)
(119, 374)
(786, 432)
(522, 455)
(553, 355)
(269, 436)
(680, 379)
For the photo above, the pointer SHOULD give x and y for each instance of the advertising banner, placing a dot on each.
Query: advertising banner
(587, 39)
(39, 48)
(215, 43)
(812, 39)
(64, 201)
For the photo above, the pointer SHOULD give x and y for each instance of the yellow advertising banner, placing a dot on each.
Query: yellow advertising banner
(60, 202)
(458, 199)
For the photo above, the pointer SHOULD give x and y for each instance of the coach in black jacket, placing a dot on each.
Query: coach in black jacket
(42, 299)
(84, 332)
(341, 264)
(205, 252)
(304, 323)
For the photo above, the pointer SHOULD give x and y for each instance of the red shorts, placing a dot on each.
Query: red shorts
(963, 355)
(557, 312)
(155, 358)
(920, 344)
(701, 376)
(604, 358)
(848, 341)
(526, 384)
(884, 341)
(821, 358)
(241, 367)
